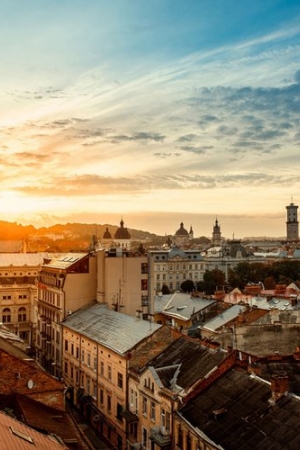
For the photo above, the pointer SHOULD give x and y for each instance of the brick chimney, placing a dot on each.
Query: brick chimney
(279, 387)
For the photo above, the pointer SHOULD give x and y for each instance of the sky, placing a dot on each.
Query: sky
(157, 112)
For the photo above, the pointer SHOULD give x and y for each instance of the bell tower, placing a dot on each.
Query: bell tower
(292, 224)
(216, 235)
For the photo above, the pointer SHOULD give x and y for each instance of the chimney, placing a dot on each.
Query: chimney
(279, 387)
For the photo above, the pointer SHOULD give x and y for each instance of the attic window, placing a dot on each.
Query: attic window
(219, 412)
(21, 435)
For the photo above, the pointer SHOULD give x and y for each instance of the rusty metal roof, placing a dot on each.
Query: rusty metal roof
(194, 360)
(114, 330)
(235, 413)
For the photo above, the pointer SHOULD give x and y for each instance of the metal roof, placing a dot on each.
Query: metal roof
(222, 319)
(180, 305)
(112, 329)
(190, 359)
(22, 259)
(275, 303)
(235, 413)
(65, 260)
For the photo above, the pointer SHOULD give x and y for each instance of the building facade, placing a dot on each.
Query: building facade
(172, 267)
(97, 348)
(65, 284)
(18, 275)
(122, 281)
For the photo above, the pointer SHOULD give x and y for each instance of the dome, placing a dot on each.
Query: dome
(182, 231)
(107, 234)
(122, 233)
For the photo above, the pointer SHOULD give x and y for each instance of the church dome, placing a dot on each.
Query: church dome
(107, 234)
(122, 232)
(182, 231)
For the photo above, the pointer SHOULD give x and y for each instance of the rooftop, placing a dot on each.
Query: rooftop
(193, 360)
(222, 319)
(15, 435)
(114, 330)
(235, 412)
(180, 305)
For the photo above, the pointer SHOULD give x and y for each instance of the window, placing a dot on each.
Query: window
(101, 396)
(82, 356)
(144, 285)
(102, 368)
(95, 363)
(166, 420)
(89, 359)
(134, 400)
(108, 402)
(179, 437)
(144, 437)
(66, 368)
(109, 373)
(66, 345)
(6, 315)
(144, 300)
(22, 314)
(119, 411)
(152, 411)
(144, 268)
(144, 406)
(133, 429)
(120, 380)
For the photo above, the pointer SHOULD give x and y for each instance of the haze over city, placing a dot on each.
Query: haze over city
(158, 112)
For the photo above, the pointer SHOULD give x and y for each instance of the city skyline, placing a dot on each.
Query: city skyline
(160, 112)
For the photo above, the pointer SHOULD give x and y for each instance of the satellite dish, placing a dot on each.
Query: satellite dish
(30, 384)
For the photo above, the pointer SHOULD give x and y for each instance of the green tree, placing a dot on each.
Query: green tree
(212, 280)
(165, 289)
(187, 286)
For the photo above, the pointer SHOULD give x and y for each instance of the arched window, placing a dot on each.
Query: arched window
(6, 315)
(22, 314)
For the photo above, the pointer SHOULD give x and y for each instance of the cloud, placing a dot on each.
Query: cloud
(187, 138)
(138, 136)
(166, 155)
(195, 150)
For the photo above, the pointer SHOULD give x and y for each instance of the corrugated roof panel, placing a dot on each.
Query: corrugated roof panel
(115, 330)
(226, 316)
(22, 259)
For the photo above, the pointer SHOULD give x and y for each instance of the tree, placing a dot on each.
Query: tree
(212, 279)
(165, 289)
(187, 286)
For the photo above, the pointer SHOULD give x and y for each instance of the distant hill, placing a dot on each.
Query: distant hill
(62, 237)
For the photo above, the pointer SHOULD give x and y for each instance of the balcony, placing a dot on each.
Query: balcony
(160, 436)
